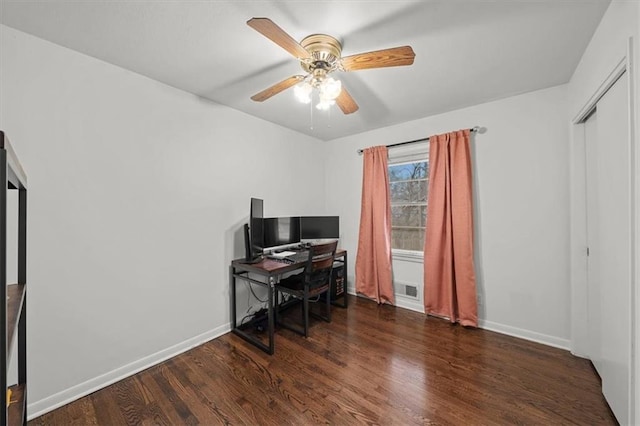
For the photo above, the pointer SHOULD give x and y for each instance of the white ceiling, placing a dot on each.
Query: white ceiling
(467, 52)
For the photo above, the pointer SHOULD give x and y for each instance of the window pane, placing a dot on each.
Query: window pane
(418, 170)
(407, 239)
(407, 215)
(408, 184)
(412, 191)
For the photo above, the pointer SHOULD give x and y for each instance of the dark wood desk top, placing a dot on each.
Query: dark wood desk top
(265, 266)
(272, 267)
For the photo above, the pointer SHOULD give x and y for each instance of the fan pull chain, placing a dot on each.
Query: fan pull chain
(311, 113)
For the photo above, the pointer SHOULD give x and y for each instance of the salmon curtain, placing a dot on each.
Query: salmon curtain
(449, 273)
(373, 260)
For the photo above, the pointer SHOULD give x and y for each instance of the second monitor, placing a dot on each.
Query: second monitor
(281, 231)
(320, 227)
(288, 231)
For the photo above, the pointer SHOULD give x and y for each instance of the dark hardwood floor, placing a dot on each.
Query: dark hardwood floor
(371, 365)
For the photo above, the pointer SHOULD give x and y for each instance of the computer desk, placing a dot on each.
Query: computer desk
(268, 273)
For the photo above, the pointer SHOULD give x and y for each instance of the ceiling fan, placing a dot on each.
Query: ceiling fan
(319, 56)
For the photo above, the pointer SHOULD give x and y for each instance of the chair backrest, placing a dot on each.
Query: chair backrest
(320, 264)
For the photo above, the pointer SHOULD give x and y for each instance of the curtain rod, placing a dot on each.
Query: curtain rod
(473, 129)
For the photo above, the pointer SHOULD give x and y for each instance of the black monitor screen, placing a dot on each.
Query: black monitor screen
(280, 231)
(256, 226)
(320, 227)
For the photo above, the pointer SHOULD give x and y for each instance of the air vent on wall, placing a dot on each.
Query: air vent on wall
(408, 290)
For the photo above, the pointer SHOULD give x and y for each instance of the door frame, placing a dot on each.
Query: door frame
(578, 223)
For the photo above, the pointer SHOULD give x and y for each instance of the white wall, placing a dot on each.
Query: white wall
(521, 202)
(616, 38)
(137, 194)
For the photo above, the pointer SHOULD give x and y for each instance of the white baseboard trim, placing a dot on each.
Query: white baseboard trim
(66, 396)
(521, 333)
(412, 305)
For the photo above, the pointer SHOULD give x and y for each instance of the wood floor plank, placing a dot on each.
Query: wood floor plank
(211, 386)
(204, 409)
(371, 365)
(105, 404)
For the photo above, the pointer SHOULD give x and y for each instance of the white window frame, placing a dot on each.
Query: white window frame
(408, 154)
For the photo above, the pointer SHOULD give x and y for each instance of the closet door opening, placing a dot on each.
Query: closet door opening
(609, 239)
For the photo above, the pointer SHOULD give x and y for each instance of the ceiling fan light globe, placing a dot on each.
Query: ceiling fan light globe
(302, 92)
(304, 100)
(330, 88)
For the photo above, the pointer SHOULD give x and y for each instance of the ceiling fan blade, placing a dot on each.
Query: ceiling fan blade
(270, 30)
(393, 57)
(346, 102)
(277, 88)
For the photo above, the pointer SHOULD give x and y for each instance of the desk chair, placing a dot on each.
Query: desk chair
(314, 281)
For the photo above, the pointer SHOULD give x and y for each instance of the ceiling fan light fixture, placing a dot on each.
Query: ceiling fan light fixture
(320, 55)
(330, 88)
(302, 92)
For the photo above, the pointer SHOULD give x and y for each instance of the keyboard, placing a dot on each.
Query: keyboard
(297, 257)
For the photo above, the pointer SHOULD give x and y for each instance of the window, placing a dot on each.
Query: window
(408, 184)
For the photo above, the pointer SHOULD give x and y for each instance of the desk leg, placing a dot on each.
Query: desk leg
(232, 286)
(271, 315)
(346, 284)
(238, 330)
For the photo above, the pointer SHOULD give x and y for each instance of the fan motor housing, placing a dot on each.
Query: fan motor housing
(325, 52)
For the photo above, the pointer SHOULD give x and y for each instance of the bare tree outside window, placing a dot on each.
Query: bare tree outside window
(408, 183)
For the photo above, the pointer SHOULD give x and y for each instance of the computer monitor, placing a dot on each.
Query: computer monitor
(281, 231)
(255, 242)
(315, 228)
